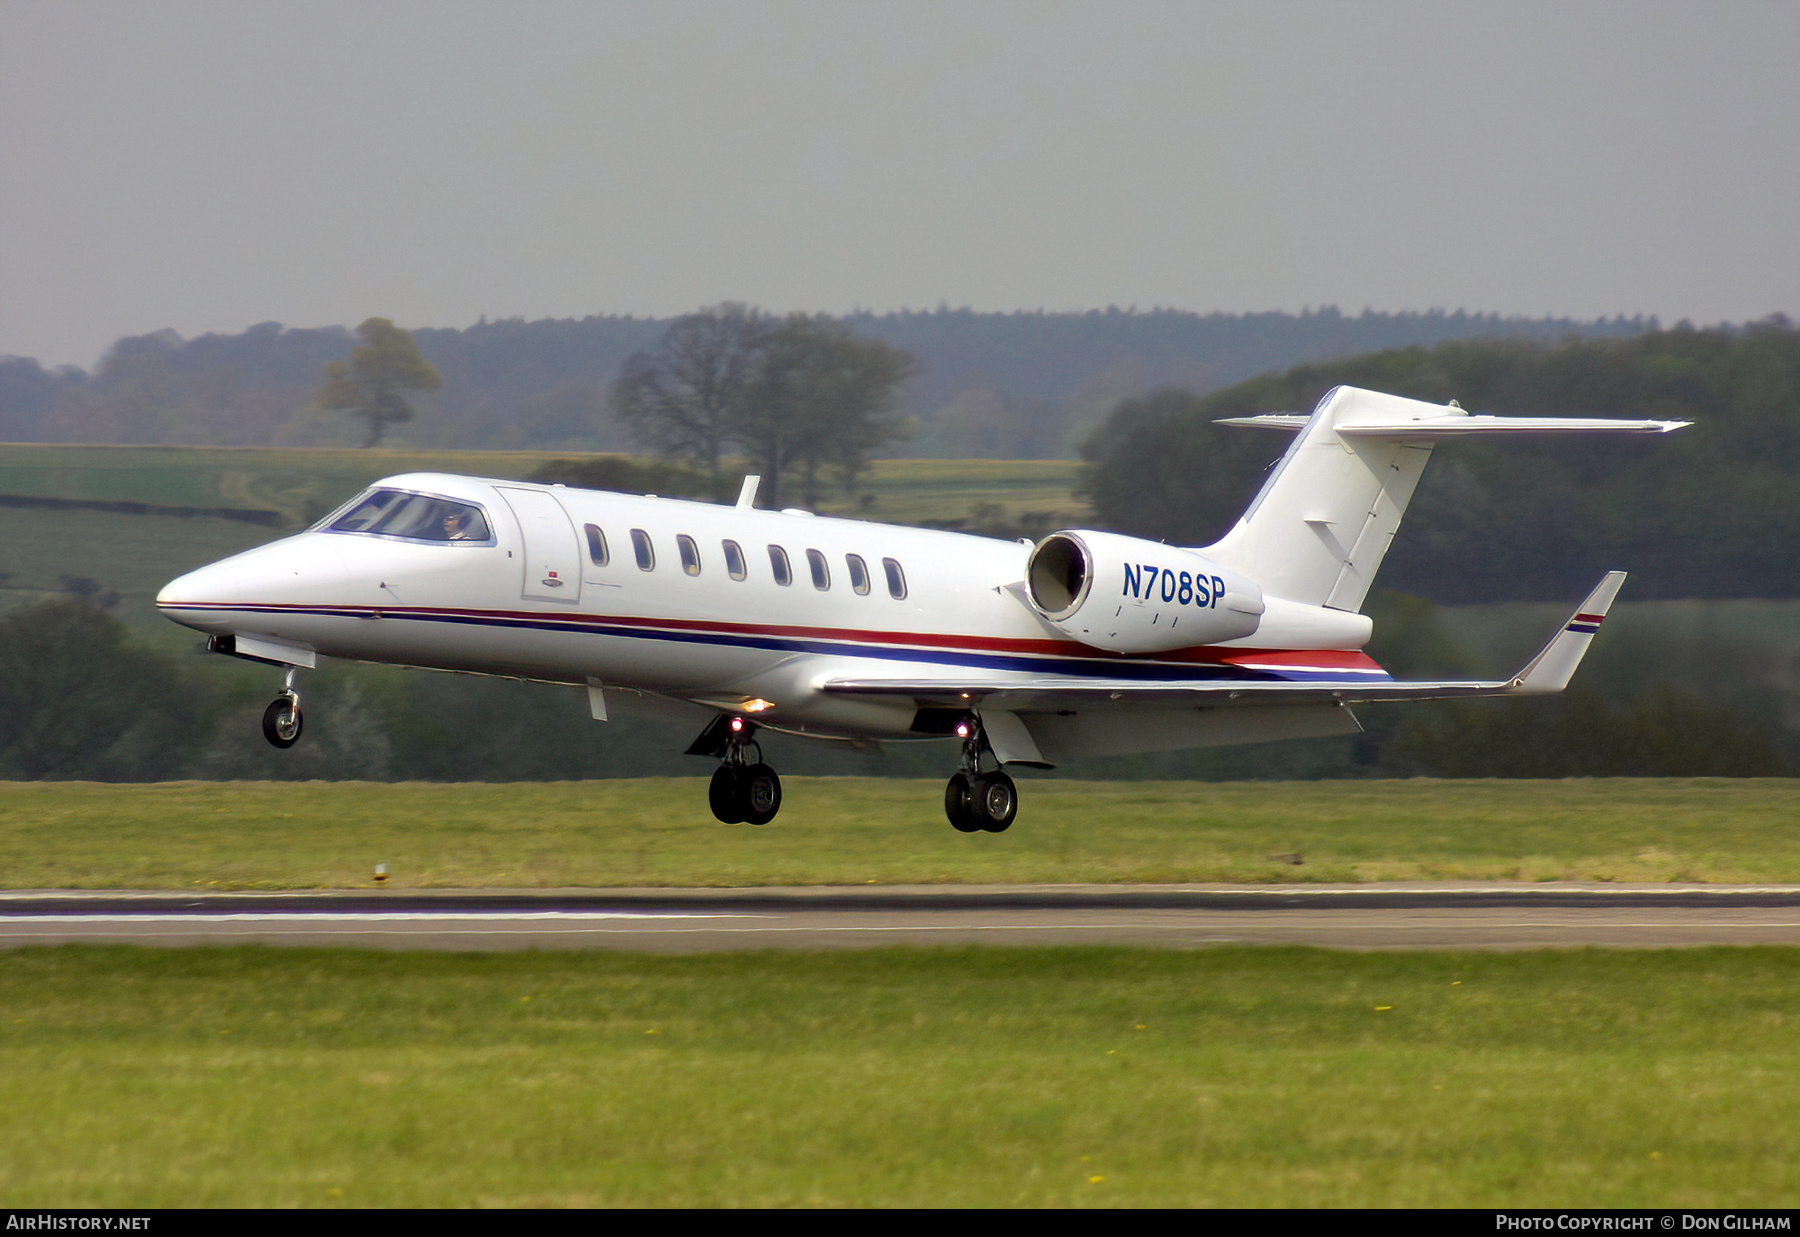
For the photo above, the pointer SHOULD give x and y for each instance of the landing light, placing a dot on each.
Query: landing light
(758, 705)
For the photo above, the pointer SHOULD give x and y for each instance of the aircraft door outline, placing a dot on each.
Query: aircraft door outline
(552, 551)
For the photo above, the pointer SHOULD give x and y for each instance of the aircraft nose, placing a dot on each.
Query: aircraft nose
(214, 583)
(218, 596)
(195, 599)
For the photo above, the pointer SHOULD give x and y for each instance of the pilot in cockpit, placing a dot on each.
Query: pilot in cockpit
(457, 525)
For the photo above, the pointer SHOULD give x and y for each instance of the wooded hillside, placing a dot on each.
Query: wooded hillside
(989, 386)
(1710, 511)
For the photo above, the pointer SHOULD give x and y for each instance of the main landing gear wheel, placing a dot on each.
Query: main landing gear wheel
(744, 794)
(723, 795)
(957, 806)
(993, 801)
(740, 793)
(281, 721)
(984, 803)
(759, 790)
(978, 802)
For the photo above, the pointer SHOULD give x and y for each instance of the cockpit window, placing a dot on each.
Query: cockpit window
(418, 517)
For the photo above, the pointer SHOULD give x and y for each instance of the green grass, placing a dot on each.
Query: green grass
(133, 556)
(914, 491)
(853, 831)
(955, 1077)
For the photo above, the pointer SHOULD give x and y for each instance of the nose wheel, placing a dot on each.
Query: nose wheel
(978, 802)
(281, 721)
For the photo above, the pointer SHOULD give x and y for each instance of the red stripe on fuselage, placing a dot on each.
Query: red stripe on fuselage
(1318, 659)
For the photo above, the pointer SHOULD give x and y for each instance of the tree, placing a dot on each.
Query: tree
(799, 393)
(77, 702)
(369, 385)
(1159, 467)
(1702, 513)
(689, 399)
(826, 403)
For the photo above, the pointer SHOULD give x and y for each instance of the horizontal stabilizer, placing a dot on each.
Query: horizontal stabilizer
(1454, 426)
(1318, 530)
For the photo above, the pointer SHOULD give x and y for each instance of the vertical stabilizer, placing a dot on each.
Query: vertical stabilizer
(1319, 529)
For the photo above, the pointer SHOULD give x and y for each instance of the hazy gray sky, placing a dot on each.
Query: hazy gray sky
(209, 165)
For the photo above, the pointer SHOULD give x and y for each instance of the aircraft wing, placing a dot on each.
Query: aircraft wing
(1548, 672)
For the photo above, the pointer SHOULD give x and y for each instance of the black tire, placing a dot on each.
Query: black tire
(994, 801)
(724, 795)
(957, 804)
(759, 793)
(281, 722)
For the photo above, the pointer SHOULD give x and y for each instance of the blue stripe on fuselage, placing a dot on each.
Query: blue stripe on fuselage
(1024, 663)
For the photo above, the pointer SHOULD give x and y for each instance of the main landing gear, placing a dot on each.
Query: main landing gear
(974, 801)
(742, 791)
(281, 721)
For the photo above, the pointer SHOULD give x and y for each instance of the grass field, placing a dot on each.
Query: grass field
(922, 1077)
(855, 831)
(954, 1077)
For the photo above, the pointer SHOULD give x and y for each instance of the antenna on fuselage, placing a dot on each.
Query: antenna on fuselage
(747, 495)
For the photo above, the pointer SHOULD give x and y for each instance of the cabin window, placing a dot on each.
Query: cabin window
(734, 560)
(646, 553)
(690, 554)
(859, 574)
(821, 570)
(778, 562)
(416, 517)
(596, 544)
(895, 577)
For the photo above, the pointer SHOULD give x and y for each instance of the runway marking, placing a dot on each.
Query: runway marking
(642, 920)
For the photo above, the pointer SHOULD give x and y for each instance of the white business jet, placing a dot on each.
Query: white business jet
(1086, 643)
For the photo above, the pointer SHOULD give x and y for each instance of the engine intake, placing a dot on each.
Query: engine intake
(1128, 595)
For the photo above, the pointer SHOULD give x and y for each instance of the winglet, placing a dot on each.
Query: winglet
(1551, 670)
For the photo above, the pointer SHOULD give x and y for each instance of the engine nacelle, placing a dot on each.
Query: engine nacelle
(1128, 595)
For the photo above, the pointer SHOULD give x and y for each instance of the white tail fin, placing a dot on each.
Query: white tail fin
(1323, 522)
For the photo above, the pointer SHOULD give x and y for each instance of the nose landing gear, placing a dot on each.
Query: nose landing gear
(281, 721)
(742, 791)
(978, 802)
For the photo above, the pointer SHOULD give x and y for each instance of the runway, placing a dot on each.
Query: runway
(1373, 916)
